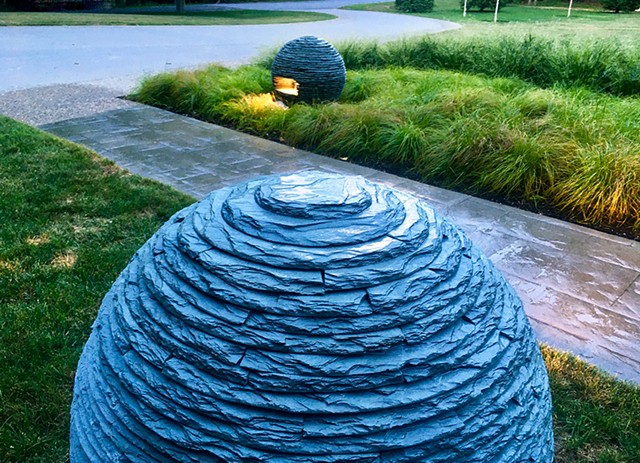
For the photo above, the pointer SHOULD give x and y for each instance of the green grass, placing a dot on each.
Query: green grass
(70, 223)
(549, 20)
(64, 240)
(603, 66)
(571, 151)
(153, 18)
(596, 418)
(602, 54)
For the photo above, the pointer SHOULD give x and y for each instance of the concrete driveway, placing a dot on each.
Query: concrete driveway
(118, 56)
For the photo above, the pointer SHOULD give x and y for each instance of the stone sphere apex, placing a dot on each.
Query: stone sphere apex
(312, 197)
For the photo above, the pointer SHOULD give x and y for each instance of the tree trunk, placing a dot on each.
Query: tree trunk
(180, 6)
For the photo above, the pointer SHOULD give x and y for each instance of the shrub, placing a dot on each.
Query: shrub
(617, 6)
(482, 5)
(415, 6)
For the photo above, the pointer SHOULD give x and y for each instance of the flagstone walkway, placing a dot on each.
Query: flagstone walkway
(580, 288)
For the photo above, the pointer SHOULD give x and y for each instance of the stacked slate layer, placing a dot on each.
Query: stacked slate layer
(315, 65)
(311, 318)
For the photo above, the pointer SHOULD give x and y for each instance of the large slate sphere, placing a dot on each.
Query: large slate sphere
(311, 318)
(315, 65)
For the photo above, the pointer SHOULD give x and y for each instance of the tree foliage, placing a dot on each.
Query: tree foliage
(53, 5)
(482, 5)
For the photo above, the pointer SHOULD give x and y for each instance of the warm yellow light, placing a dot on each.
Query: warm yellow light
(286, 85)
(261, 102)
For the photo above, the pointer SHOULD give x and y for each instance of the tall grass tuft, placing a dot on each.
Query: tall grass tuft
(403, 143)
(528, 166)
(200, 93)
(359, 87)
(255, 113)
(574, 150)
(363, 55)
(603, 184)
(180, 91)
(353, 132)
(602, 66)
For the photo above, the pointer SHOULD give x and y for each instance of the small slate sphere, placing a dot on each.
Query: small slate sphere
(308, 69)
(311, 318)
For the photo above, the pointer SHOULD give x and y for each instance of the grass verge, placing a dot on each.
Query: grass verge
(70, 223)
(64, 241)
(160, 18)
(570, 152)
(596, 418)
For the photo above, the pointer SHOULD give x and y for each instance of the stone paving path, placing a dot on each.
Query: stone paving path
(580, 288)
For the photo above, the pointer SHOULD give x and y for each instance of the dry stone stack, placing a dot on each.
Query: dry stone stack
(311, 318)
(308, 69)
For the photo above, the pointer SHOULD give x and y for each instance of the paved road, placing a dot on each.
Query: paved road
(304, 5)
(118, 56)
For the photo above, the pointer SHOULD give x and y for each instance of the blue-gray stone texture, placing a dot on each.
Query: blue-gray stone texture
(311, 318)
(315, 65)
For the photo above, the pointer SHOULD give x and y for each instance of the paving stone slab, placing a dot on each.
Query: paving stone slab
(628, 302)
(580, 287)
(579, 275)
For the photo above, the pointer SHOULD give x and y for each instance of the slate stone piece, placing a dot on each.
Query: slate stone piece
(310, 318)
(316, 67)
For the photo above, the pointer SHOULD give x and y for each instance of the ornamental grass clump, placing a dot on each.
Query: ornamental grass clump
(404, 142)
(306, 125)
(603, 184)
(354, 132)
(256, 113)
(602, 66)
(571, 151)
(363, 55)
(360, 87)
(201, 93)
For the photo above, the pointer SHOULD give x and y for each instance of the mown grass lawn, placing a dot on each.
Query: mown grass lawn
(547, 19)
(71, 221)
(160, 18)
